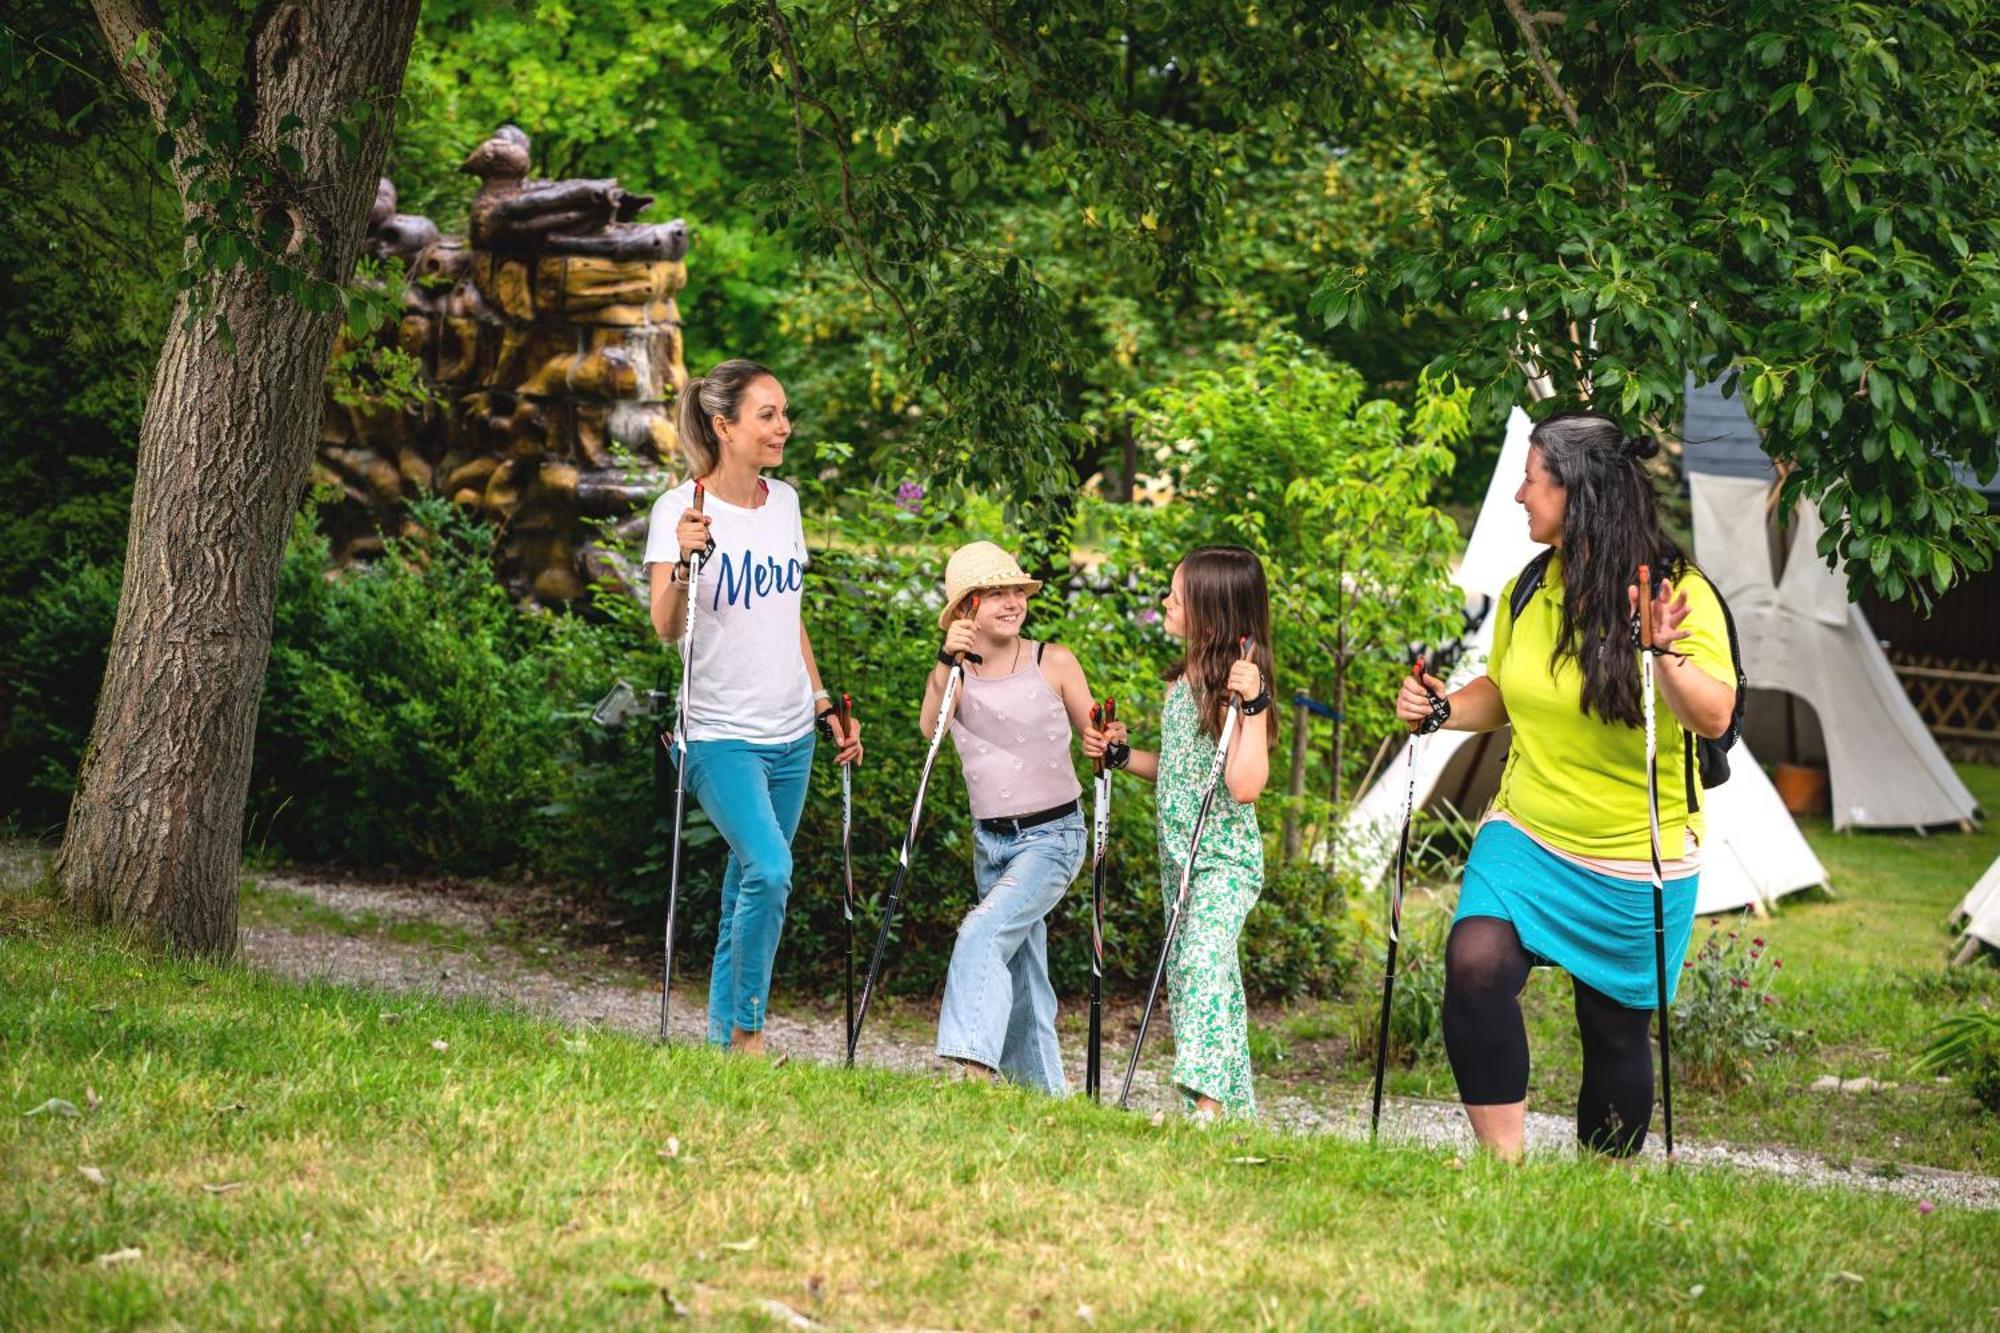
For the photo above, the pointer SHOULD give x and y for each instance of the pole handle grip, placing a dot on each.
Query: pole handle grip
(1646, 607)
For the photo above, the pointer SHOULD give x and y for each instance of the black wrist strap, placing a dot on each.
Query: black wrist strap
(1252, 707)
(1117, 754)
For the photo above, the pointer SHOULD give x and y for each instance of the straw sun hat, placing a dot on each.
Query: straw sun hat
(978, 565)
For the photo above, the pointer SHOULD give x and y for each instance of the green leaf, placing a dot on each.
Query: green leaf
(1941, 570)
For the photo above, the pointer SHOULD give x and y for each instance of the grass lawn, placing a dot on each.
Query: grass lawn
(317, 1156)
(1865, 977)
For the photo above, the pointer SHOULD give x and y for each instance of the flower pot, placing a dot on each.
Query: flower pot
(1804, 788)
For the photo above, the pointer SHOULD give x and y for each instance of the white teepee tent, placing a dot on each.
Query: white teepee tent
(1755, 853)
(1980, 913)
(1802, 636)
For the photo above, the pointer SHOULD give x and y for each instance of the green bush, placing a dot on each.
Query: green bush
(51, 664)
(1967, 1046)
(1300, 940)
(1416, 1011)
(414, 719)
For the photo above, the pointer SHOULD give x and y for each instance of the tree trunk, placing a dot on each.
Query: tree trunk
(1128, 459)
(1301, 720)
(154, 839)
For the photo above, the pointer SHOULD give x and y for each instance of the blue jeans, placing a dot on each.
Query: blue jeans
(754, 795)
(999, 1009)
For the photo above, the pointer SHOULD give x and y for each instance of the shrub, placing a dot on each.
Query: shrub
(51, 663)
(414, 718)
(1300, 940)
(1723, 1019)
(1967, 1046)
(1416, 1012)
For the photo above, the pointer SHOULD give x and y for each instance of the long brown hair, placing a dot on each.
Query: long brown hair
(1611, 526)
(1223, 601)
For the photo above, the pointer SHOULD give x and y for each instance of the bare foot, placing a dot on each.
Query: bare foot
(971, 1071)
(747, 1043)
(1207, 1110)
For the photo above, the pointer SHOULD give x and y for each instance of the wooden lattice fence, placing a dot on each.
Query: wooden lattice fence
(1958, 699)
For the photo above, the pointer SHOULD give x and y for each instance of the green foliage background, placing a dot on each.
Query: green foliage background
(991, 250)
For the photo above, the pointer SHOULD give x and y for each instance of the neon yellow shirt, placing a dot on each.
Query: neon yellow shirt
(1573, 779)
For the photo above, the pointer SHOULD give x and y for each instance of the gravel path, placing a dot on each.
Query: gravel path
(583, 987)
(598, 990)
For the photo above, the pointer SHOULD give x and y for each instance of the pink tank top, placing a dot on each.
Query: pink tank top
(1013, 736)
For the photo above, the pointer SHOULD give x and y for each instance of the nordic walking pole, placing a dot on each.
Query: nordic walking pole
(846, 711)
(1653, 828)
(1103, 715)
(1215, 768)
(680, 767)
(951, 683)
(1439, 712)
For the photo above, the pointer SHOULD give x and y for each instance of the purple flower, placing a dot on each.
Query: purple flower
(1924, 1207)
(1150, 616)
(910, 496)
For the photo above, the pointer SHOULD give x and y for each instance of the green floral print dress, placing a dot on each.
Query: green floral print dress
(1205, 975)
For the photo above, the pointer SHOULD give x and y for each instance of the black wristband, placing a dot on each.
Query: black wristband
(946, 659)
(1117, 754)
(1252, 707)
(825, 719)
(1440, 714)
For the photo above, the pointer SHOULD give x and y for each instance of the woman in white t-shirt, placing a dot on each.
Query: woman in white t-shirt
(756, 690)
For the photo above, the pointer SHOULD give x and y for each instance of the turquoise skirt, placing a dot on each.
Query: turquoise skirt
(1596, 927)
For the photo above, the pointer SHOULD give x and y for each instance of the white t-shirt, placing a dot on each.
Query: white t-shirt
(750, 680)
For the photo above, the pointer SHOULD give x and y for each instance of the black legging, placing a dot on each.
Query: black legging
(1485, 968)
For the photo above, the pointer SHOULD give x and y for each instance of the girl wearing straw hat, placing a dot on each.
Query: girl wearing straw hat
(1017, 709)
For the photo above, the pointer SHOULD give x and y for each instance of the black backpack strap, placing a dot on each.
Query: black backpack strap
(1529, 580)
(1688, 767)
(1039, 645)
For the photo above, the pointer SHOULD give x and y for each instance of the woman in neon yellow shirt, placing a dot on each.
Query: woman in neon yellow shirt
(1559, 874)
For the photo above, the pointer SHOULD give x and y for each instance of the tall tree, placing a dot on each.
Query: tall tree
(1799, 196)
(276, 164)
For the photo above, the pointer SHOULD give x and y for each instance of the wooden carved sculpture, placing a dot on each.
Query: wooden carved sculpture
(550, 344)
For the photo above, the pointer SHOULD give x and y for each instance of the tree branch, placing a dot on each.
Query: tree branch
(797, 86)
(1526, 23)
(123, 22)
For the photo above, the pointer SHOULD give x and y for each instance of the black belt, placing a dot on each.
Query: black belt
(1022, 823)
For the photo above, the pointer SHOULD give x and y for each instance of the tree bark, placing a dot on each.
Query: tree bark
(154, 840)
(1301, 720)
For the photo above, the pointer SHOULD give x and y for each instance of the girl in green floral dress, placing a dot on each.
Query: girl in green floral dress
(1217, 600)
